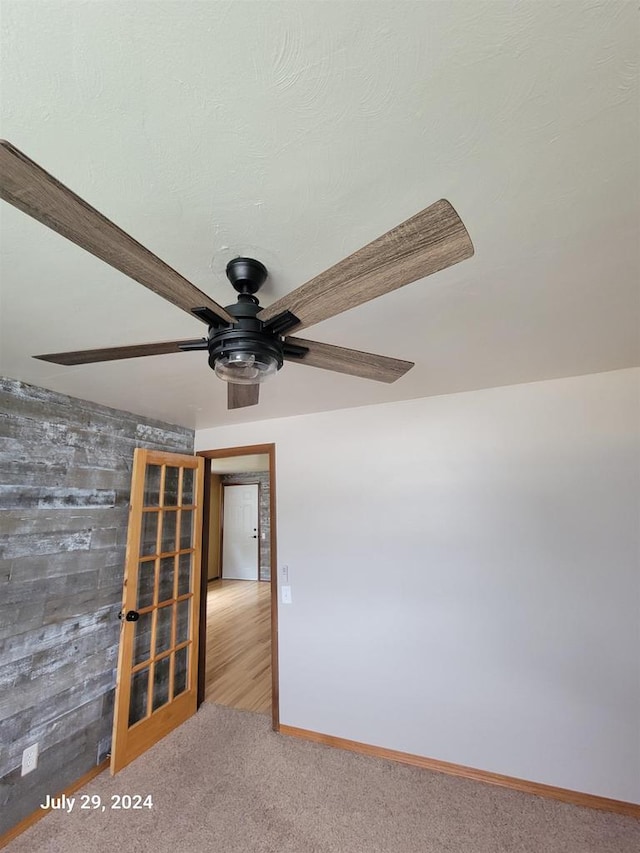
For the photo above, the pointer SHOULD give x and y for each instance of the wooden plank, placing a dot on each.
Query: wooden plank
(104, 537)
(29, 567)
(18, 618)
(54, 497)
(39, 813)
(41, 451)
(34, 472)
(248, 450)
(13, 674)
(365, 365)
(50, 410)
(240, 396)
(94, 476)
(432, 240)
(167, 457)
(100, 645)
(92, 356)
(38, 194)
(110, 576)
(161, 436)
(61, 438)
(58, 768)
(44, 543)
(31, 519)
(15, 592)
(56, 680)
(50, 425)
(72, 696)
(64, 607)
(47, 423)
(56, 636)
(17, 733)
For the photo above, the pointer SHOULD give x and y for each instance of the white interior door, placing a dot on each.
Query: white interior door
(240, 532)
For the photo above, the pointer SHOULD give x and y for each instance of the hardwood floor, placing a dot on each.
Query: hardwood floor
(239, 645)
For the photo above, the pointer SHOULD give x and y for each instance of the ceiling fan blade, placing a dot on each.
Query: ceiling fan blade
(239, 396)
(90, 356)
(28, 187)
(351, 361)
(428, 242)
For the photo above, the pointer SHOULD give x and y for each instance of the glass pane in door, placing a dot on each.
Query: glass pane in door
(187, 486)
(184, 574)
(163, 628)
(186, 527)
(165, 584)
(169, 522)
(146, 583)
(142, 638)
(149, 534)
(180, 671)
(139, 694)
(161, 683)
(152, 485)
(171, 483)
(182, 628)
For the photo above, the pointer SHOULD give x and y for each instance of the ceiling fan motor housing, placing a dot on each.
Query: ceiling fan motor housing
(246, 335)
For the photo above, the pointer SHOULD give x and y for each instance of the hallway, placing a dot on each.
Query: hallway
(239, 645)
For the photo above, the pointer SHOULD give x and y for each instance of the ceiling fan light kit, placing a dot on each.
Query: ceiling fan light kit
(246, 343)
(246, 351)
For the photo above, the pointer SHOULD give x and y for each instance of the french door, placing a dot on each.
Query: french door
(156, 684)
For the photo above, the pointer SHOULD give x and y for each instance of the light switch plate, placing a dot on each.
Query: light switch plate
(286, 595)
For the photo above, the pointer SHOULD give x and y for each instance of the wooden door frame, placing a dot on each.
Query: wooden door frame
(222, 453)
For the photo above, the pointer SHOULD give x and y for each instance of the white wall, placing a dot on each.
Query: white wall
(465, 577)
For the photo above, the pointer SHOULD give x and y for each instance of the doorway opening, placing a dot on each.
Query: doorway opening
(238, 602)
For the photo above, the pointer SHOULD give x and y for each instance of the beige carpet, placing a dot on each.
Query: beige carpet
(225, 782)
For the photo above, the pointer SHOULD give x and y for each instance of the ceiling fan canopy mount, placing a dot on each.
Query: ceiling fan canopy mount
(246, 274)
(246, 343)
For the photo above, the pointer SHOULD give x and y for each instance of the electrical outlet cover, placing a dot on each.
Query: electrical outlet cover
(29, 759)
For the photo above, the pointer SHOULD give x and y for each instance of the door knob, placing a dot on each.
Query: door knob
(130, 616)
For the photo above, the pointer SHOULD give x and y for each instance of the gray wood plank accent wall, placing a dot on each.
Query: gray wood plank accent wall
(65, 470)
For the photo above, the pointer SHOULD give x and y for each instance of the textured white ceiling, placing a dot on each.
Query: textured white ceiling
(297, 132)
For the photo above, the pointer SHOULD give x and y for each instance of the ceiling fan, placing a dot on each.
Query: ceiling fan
(246, 343)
